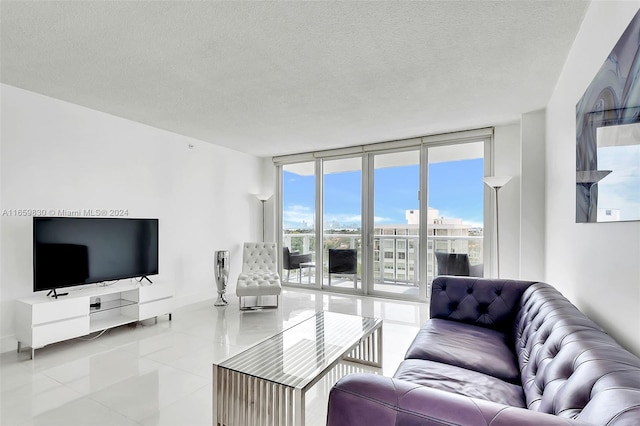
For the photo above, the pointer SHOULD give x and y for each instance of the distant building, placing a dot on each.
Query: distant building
(395, 251)
(396, 247)
(608, 215)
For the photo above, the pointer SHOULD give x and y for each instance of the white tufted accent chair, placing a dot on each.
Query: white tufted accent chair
(259, 276)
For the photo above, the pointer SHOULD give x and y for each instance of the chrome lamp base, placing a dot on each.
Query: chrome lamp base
(222, 276)
(221, 301)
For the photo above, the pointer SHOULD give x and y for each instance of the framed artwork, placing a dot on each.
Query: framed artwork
(608, 136)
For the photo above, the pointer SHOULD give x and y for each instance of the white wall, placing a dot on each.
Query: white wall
(507, 163)
(519, 153)
(597, 266)
(532, 213)
(57, 155)
(269, 187)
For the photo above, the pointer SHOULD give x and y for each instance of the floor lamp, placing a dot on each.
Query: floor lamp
(495, 183)
(263, 199)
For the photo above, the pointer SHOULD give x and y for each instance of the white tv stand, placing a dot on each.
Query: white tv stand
(42, 320)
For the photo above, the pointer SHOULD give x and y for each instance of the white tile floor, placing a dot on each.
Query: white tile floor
(160, 374)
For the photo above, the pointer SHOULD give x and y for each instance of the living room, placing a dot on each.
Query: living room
(63, 150)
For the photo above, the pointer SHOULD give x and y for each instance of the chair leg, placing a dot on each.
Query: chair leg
(259, 305)
(329, 274)
(288, 274)
(355, 280)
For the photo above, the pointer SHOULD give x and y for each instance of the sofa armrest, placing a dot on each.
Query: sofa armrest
(367, 399)
(491, 303)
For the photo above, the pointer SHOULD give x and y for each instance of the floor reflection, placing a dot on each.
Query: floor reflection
(160, 374)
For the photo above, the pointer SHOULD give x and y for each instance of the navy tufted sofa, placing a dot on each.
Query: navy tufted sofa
(498, 352)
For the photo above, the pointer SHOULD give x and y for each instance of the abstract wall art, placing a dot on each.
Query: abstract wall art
(608, 136)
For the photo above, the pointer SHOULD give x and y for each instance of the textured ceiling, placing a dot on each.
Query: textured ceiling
(276, 78)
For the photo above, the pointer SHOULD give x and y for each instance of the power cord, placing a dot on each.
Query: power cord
(94, 337)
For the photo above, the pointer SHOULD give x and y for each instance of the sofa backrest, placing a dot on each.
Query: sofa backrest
(490, 303)
(569, 366)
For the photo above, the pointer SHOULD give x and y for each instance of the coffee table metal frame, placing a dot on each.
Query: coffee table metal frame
(241, 398)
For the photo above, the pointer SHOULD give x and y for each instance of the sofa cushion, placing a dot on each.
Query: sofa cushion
(461, 381)
(482, 302)
(468, 346)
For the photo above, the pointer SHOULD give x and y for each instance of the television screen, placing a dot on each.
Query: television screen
(70, 251)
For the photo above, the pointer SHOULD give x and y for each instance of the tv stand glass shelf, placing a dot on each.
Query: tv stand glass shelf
(42, 320)
(111, 304)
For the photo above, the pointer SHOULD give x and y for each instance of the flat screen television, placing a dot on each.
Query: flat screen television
(70, 251)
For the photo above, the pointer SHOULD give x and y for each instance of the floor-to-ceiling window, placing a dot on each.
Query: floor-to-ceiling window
(375, 219)
(396, 228)
(455, 216)
(298, 222)
(342, 223)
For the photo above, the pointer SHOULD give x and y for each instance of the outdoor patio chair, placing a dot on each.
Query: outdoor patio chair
(457, 264)
(292, 260)
(345, 262)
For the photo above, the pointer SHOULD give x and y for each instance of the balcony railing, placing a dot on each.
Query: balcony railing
(395, 257)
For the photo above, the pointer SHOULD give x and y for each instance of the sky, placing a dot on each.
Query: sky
(455, 189)
(620, 190)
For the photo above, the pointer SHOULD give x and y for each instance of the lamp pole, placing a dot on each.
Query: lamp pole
(495, 183)
(263, 199)
(263, 221)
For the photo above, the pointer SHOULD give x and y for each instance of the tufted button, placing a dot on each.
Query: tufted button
(444, 287)
(453, 306)
(498, 292)
(483, 308)
(469, 290)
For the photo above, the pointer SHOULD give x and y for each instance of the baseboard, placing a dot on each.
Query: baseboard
(8, 343)
(191, 299)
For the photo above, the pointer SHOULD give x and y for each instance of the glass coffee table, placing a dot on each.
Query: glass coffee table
(266, 384)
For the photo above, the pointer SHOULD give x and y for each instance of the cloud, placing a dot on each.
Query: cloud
(625, 201)
(342, 218)
(621, 189)
(475, 222)
(623, 160)
(379, 219)
(297, 215)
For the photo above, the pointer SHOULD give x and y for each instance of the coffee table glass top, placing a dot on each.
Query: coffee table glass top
(295, 356)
